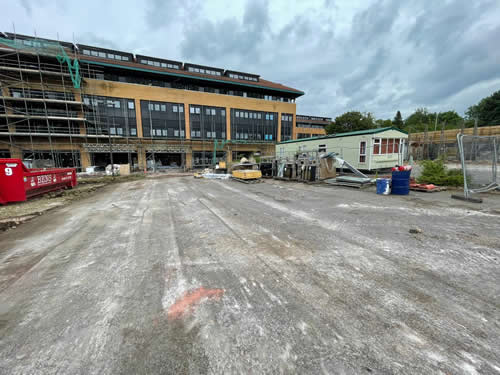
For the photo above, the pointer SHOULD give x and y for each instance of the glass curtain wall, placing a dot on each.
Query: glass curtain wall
(207, 122)
(163, 119)
(110, 116)
(254, 125)
(286, 126)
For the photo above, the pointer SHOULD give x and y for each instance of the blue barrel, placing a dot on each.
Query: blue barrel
(383, 186)
(401, 182)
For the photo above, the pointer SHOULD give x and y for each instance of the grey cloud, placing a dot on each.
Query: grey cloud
(27, 7)
(444, 34)
(229, 39)
(372, 24)
(367, 73)
(95, 40)
(378, 56)
(435, 60)
(163, 13)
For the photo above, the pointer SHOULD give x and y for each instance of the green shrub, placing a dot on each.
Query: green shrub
(435, 172)
(455, 177)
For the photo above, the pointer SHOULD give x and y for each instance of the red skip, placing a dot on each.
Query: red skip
(17, 183)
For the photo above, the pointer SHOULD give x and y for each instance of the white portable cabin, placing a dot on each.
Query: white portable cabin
(365, 149)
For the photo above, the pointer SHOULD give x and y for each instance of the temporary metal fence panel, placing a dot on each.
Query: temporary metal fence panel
(479, 156)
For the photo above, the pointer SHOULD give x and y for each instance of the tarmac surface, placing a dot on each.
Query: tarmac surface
(185, 276)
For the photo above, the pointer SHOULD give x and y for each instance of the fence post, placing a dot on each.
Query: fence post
(426, 141)
(441, 140)
(408, 151)
(474, 143)
(462, 133)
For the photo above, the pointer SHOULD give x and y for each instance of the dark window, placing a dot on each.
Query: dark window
(253, 126)
(109, 116)
(160, 120)
(207, 122)
(286, 126)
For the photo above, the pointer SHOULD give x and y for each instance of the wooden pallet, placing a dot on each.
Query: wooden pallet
(424, 190)
(248, 181)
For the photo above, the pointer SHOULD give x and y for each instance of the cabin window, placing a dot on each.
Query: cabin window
(376, 146)
(362, 152)
(386, 146)
(390, 146)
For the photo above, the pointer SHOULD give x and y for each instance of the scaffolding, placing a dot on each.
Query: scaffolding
(42, 88)
(50, 115)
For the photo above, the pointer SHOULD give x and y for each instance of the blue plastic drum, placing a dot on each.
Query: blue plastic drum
(383, 186)
(401, 182)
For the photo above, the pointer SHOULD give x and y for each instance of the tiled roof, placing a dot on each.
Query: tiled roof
(262, 83)
(184, 73)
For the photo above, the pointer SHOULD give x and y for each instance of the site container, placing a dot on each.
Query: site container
(18, 183)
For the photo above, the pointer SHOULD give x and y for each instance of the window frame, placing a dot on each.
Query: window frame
(377, 143)
(362, 152)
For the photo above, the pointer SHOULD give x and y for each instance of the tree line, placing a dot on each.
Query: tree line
(486, 113)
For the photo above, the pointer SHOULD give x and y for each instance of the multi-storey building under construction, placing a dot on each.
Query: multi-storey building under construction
(69, 104)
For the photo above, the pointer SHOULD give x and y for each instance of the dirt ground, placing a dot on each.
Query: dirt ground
(14, 214)
(190, 276)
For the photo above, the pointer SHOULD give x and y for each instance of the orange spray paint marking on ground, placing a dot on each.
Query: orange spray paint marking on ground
(190, 299)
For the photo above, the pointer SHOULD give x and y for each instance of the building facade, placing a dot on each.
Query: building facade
(77, 105)
(311, 126)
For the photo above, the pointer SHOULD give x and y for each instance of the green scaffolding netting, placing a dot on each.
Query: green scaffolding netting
(47, 48)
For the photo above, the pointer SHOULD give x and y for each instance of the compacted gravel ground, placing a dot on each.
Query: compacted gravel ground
(187, 276)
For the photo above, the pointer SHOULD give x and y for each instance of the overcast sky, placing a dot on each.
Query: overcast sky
(375, 56)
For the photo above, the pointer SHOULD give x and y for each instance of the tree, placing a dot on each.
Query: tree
(383, 123)
(487, 111)
(398, 120)
(450, 118)
(417, 120)
(330, 128)
(351, 121)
